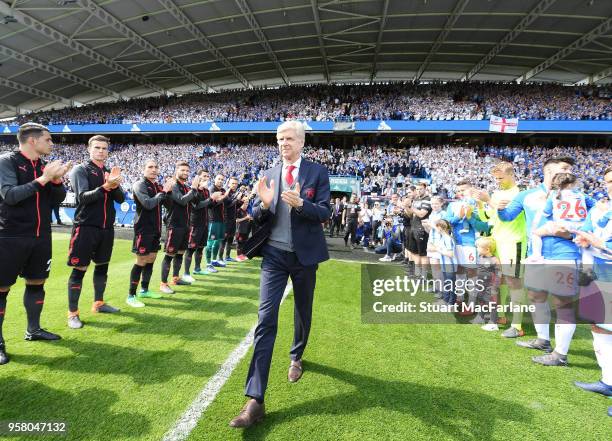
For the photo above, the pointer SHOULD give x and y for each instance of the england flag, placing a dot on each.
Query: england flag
(503, 125)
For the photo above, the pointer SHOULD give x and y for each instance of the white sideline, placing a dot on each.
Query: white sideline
(189, 419)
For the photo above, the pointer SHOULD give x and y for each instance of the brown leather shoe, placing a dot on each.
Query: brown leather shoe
(295, 371)
(251, 413)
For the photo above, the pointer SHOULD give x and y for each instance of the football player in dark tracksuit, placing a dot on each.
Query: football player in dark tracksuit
(230, 205)
(96, 189)
(351, 216)
(28, 190)
(243, 219)
(216, 226)
(149, 196)
(177, 226)
(421, 209)
(198, 227)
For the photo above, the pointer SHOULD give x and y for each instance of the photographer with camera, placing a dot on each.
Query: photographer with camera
(392, 237)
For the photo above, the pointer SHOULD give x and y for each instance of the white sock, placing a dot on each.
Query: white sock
(563, 337)
(602, 343)
(541, 319)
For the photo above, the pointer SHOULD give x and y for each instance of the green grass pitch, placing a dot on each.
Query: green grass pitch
(131, 375)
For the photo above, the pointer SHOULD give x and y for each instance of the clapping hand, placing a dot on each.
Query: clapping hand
(583, 239)
(65, 168)
(481, 195)
(558, 229)
(54, 171)
(292, 197)
(195, 183)
(468, 211)
(114, 179)
(168, 185)
(265, 193)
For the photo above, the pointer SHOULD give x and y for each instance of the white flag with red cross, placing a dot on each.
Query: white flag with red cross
(503, 125)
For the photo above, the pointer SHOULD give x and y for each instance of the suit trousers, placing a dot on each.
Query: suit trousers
(336, 224)
(351, 230)
(277, 267)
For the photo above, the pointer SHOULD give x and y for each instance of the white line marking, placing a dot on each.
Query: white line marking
(188, 421)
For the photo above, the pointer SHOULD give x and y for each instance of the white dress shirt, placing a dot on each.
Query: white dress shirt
(295, 171)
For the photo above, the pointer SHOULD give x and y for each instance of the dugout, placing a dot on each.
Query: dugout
(340, 186)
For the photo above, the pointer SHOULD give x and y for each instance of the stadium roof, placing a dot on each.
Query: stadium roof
(61, 52)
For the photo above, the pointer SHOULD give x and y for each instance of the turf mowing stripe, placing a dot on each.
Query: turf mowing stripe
(188, 421)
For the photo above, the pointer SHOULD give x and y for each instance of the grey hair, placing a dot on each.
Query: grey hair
(296, 126)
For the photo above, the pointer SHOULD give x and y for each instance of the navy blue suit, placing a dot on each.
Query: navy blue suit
(300, 265)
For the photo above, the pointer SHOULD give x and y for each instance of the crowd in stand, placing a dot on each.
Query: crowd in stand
(384, 170)
(391, 101)
(387, 170)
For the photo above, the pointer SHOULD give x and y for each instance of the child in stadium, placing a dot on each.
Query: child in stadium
(469, 203)
(566, 206)
(434, 235)
(488, 274)
(456, 213)
(448, 262)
